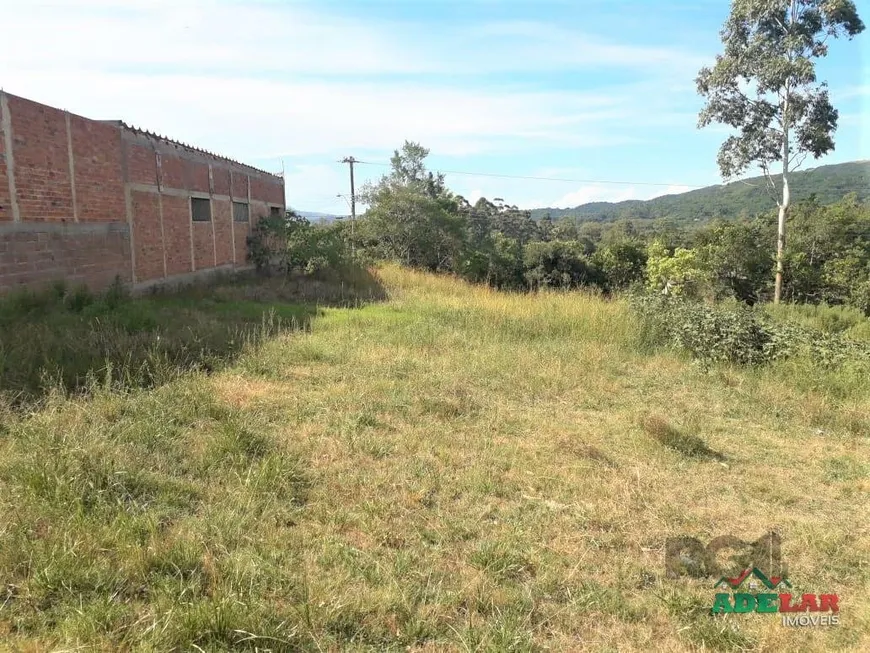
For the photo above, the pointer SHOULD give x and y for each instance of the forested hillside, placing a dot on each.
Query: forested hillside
(746, 197)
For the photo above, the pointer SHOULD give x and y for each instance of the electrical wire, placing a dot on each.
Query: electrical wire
(532, 178)
(594, 181)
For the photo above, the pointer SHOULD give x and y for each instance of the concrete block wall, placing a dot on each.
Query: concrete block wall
(89, 201)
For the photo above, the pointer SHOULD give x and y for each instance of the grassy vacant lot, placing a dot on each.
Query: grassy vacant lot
(451, 469)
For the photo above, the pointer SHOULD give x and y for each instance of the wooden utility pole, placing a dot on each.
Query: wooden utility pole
(350, 161)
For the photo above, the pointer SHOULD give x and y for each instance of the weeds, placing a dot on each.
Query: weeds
(74, 341)
(739, 334)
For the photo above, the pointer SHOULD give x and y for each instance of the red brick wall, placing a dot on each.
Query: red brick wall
(147, 237)
(176, 231)
(5, 200)
(99, 181)
(141, 165)
(41, 155)
(172, 172)
(84, 224)
(275, 193)
(196, 176)
(38, 254)
(241, 231)
(258, 209)
(267, 190)
(240, 185)
(222, 215)
(221, 178)
(203, 245)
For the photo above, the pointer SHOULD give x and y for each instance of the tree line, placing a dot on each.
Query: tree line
(415, 219)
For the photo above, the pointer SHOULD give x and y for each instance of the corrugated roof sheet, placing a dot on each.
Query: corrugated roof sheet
(166, 139)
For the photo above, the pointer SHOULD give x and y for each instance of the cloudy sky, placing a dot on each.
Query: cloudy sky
(583, 90)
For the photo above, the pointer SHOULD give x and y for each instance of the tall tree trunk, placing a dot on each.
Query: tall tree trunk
(780, 236)
(783, 205)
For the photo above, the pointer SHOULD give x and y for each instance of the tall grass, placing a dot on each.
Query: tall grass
(844, 320)
(70, 339)
(452, 469)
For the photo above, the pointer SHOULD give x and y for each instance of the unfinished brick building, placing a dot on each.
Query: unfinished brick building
(89, 201)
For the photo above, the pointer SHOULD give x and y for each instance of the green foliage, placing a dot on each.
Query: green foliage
(738, 257)
(736, 333)
(745, 198)
(505, 263)
(267, 242)
(764, 84)
(412, 217)
(708, 333)
(764, 88)
(413, 228)
(828, 253)
(680, 273)
(290, 243)
(845, 320)
(556, 264)
(621, 264)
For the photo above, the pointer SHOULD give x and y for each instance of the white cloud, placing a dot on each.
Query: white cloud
(265, 119)
(596, 193)
(300, 38)
(851, 92)
(310, 185)
(474, 195)
(672, 190)
(292, 81)
(538, 45)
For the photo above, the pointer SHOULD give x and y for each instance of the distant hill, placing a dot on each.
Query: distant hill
(314, 216)
(829, 183)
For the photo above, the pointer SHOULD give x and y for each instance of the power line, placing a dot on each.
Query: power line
(563, 179)
(807, 172)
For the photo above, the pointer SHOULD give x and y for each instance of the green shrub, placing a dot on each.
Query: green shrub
(290, 243)
(732, 332)
(556, 264)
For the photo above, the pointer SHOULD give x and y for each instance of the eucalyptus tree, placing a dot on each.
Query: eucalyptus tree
(764, 86)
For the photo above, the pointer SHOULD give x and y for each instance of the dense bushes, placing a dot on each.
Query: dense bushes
(732, 332)
(290, 243)
(556, 264)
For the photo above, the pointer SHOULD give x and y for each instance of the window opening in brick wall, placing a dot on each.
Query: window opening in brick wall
(275, 212)
(240, 212)
(200, 209)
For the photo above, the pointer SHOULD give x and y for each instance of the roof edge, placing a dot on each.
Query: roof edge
(192, 148)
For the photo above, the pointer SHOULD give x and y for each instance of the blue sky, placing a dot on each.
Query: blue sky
(582, 89)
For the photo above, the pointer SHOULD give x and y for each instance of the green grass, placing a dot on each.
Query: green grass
(451, 469)
(844, 320)
(71, 340)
